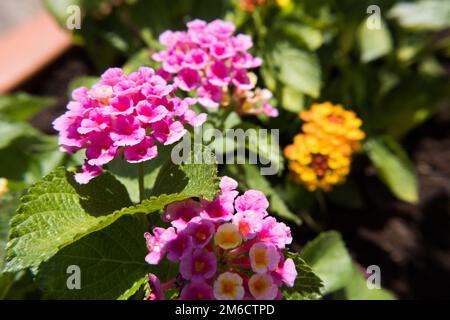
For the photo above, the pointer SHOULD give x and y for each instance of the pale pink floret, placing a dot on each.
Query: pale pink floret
(227, 184)
(97, 121)
(197, 291)
(264, 257)
(199, 266)
(275, 232)
(229, 286)
(194, 119)
(286, 272)
(262, 287)
(157, 243)
(249, 223)
(252, 200)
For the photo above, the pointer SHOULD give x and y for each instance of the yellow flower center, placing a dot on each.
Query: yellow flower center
(260, 258)
(228, 286)
(227, 236)
(200, 235)
(259, 284)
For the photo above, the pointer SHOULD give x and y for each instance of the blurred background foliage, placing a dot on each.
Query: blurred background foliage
(395, 78)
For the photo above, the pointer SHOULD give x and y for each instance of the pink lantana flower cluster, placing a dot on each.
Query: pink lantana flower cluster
(209, 61)
(128, 113)
(227, 249)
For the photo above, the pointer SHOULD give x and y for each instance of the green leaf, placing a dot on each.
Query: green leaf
(11, 130)
(298, 69)
(293, 100)
(425, 97)
(312, 38)
(429, 15)
(134, 288)
(21, 106)
(374, 43)
(57, 211)
(8, 205)
(19, 286)
(6, 282)
(195, 178)
(330, 260)
(307, 285)
(111, 263)
(394, 167)
(261, 142)
(357, 289)
(28, 158)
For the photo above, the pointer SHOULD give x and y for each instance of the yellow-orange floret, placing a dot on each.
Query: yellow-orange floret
(316, 163)
(326, 121)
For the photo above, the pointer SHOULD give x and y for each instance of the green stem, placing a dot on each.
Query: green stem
(141, 181)
(321, 201)
(308, 220)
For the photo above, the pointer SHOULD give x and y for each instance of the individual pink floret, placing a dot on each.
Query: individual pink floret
(275, 232)
(264, 257)
(181, 212)
(286, 272)
(252, 200)
(179, 247)
(157, 243)
(227, 184)
(201, 231)
(197, 291)
(249, 223)
(262, 287)
(155, 287)
(199, 266)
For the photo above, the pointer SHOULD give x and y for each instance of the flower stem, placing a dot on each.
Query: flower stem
(141, 181)
(321, 201)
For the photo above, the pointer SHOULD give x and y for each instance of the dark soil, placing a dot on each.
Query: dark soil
(410, 243)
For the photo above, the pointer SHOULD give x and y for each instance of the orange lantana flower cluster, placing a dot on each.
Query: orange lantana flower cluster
(320, 157)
